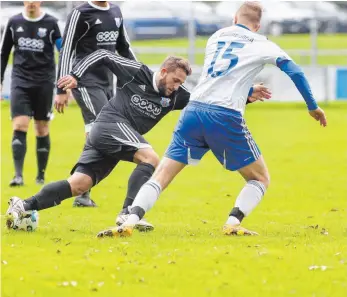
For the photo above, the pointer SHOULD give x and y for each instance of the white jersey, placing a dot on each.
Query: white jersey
(233, 57)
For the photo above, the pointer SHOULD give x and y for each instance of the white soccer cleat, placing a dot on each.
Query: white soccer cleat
(14, 212)
(142, 225)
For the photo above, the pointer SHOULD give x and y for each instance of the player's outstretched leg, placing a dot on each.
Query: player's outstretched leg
(50, 195)
(257, 177)
(141, 174)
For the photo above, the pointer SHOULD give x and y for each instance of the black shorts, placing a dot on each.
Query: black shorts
(107, 144)
(91, 100)
(35, 101)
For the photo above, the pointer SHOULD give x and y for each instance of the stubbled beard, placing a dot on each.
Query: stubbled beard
(162, 87)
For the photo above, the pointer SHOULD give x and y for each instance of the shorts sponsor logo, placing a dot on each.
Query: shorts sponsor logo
(31, 44)
(107, 37)
(145, 106)
(42, 32)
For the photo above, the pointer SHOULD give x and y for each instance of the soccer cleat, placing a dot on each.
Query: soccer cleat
(120, 231)
(237, 230)
(40, 180)
(14, 212)
(142, 225)
(84, 200)
(17, 181)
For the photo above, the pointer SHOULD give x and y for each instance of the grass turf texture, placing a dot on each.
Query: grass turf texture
(187, 255)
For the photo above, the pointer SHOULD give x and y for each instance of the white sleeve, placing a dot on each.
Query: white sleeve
(272, 52)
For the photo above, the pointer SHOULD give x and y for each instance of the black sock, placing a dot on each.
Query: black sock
(237, 213)
(43, 146)
(19, 148)
(140, 175)
(49, 196)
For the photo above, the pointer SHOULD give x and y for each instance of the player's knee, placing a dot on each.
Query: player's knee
(41, 128)
(21, 123)
(80, 183)
(148, 156)
(264, 179)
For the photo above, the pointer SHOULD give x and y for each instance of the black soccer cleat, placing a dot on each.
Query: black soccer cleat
(17, 181)
(84, 200)
(40, 180)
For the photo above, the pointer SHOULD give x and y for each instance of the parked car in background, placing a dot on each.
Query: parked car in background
(206, 21)
(151, 21)
(331, 18)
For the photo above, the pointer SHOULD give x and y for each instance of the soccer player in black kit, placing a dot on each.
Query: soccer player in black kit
(142, 99)
(33, 34)
(91, 26)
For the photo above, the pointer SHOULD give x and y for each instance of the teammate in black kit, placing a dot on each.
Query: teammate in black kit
(33, 34)
(91, 26)
(143, 98)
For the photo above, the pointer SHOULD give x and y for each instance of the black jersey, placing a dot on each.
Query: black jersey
(33, 41)
(90, 28)
(137, 100)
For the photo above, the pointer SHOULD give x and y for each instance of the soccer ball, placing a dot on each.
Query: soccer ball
(27, 222)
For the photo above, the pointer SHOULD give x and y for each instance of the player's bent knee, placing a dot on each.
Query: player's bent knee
(80, 183)
(148, 156)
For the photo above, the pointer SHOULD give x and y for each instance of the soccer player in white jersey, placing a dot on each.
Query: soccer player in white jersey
(213, 120)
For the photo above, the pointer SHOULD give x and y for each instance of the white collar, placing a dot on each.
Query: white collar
(33, 20)
(155, 87)
(99, 7)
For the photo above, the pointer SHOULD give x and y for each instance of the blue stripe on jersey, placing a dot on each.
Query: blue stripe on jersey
(243, 26)
(298, 77)
(58, 43)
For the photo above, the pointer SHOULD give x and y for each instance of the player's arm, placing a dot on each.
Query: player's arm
(6, 46)
(123, 68)
(182, 98)
(281, 59)
(123, 44)
(56, 36)
(74, 29)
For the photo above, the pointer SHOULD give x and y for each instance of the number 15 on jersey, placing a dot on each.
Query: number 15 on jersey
(225, 50)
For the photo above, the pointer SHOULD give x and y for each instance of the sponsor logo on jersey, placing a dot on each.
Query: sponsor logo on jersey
(146, 106)
(98, 22)
(107, 37)
(42, 32)
(118, 21)
(165, 102)
(31, 44)
(20, 29)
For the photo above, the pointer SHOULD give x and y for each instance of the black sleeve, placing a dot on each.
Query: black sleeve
(74, 29)
(56, 33)
(182, 98)
(6, 46)
(123, 44)
(123, 68)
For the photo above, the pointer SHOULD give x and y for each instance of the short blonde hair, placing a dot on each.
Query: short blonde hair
(251, 11)
(171, 63)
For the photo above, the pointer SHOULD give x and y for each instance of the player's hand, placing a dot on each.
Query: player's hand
(60, 101)
(319, 115)
(260, 92)
(67, 82)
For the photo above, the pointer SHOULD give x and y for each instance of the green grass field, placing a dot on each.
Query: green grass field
(187, 255)
(287, 42)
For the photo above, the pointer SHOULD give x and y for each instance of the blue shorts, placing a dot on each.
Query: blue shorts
(203, 127)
